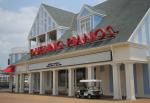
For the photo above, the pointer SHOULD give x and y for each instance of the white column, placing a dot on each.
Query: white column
(90, 73)
(10, 82)
(21, 83)
(31, 83)
(130, 90)
(55, 82)
(16, 83)
(37, 41)
(42, 86)
(46, 38)
(116, 81)
(149, 71)
(71, 82)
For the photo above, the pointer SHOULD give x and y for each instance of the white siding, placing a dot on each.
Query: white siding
(42, 23)
(144, 35)
(142, 29)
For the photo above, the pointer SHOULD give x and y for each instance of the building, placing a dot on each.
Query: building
(109, 41)
(4, 80)
(17, 54)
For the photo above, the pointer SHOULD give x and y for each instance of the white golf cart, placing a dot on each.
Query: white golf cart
(90, 89)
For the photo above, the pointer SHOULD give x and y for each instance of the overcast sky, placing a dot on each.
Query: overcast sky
(16, 18)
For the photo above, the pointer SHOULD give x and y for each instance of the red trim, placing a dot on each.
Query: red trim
(9, 69)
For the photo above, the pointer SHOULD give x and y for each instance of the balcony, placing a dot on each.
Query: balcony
(43, 39)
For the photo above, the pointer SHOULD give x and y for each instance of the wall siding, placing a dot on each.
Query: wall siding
(146, 80)
(142, 34)
(147, 33)
(42, 23)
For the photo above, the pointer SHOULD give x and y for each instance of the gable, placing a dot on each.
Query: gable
(42, 23)
(123, 16)
(85, 11)
(141, 35)
(62, 17)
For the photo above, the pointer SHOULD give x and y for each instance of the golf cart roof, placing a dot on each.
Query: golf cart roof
(92, 80)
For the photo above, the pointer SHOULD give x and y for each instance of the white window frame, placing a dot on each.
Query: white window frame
(84, 18)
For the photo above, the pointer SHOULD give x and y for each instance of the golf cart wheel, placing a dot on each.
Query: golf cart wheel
(78, 96)
(89, 96)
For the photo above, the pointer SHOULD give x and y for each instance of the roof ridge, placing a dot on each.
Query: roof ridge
(62, 17)
(99, 4)
(57, 8)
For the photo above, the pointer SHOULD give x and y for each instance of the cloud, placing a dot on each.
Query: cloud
(14, 28)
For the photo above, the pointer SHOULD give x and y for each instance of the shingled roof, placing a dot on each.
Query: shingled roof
(62, 17)
(123, 15)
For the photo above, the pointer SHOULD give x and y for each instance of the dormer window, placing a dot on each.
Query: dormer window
(85, 21)
(88, 19)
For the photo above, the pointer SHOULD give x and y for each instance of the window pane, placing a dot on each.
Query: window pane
(85, 25)
(49, 21)
(88, 26)
(62, 78)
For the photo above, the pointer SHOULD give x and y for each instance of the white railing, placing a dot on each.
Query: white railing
(41, 44)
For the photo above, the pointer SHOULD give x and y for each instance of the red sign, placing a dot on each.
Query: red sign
(99, 34)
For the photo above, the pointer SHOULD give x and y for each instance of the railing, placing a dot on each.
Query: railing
(41, 44)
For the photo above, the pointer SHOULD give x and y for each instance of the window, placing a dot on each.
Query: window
(63, 78)
(16, 57)
(62, 31)
(102, 68)
(85, 25)
(45, 26)
(48, 76)
(45, 14)
(42, 38)
(80, 75)
(49, 21)
(97, 20)
(52, 35)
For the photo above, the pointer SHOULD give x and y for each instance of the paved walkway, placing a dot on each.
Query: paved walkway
(4, 90)
(26, 98)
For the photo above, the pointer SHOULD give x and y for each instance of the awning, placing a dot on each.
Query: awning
(9, 69)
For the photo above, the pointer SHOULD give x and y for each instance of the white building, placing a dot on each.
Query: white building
(17, 54)
(4, 80)
(116, 51)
